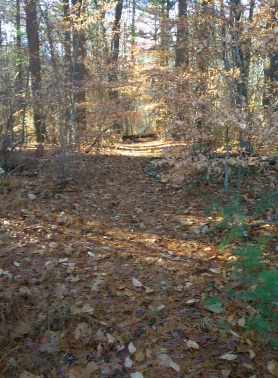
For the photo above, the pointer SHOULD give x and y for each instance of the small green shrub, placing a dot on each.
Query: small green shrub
(258, 282)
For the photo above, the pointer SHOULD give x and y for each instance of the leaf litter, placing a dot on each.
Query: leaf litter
(110, 279)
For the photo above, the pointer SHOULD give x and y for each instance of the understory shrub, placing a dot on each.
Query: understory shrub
(257, 275)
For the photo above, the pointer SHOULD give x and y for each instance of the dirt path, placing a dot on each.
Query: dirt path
(109, 274)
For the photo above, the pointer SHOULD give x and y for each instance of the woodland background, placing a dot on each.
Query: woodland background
(203, 72)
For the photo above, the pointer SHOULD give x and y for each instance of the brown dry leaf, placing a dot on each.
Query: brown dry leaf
(192, 344)
(20, 329)
(140, 356)
(91, 368)
(149, 353)
(27, 374)
(226, 372)
(111, 339)
(249, 336)
(82, 330)
(165, 360)
(62, 218)
(272, 367)
(148, 290)
(49, 342)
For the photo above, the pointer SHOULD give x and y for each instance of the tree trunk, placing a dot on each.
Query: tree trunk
(19, 73)
(238, 55)
(35, 68)
(67, 70)
(182, 55)
(271, 69)
(79, 54)
(115, 49)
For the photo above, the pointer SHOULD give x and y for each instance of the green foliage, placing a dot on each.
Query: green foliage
(273, 342)
(233, 219)
(213, 300)
(224, 325)
(4, 236)
(268, 201)
(258, 282)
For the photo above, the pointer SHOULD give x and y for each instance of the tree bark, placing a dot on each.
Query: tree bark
(67, 58)
(115, 50)
(19, 74)
(182, 56)
(32, 29)
(79, 54)
(271, 70)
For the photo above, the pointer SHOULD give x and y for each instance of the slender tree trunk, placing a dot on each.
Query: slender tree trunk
(68, 103)
(165, 35)
(133, 45)
(1, 34)
(35, 68)
(19, 73)
(114, 60)
(115, 44)
(249, 43)
(79, 54)
(271, 68)
(182, 55)
(238, 55)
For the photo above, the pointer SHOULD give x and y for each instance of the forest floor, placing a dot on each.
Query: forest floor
(108, 274)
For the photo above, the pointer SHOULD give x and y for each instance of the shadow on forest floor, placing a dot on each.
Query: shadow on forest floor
(107, 272)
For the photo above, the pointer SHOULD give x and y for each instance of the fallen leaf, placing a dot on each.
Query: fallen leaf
(131, 348)
(27, 374)
(62, 218)
(226, 372)
(248, 366)
(192, 344)
(82, 330)
(241, 322)
(272, 367)
(216, 308)
(99, 350)
(235, 334)
(191, 301)
(213, 270)
(161, 307)
(148, 289)
(49, 342)
(149, 353)
(111, 339)
(20, 329)
(139, 357)
(136, 375)
(165, 360)
(97, 285)
(228, 356)
(136, 283)
(128, 362)
(91, 368)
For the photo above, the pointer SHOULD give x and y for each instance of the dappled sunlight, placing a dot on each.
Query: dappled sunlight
(152, 149)
(109, 255)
